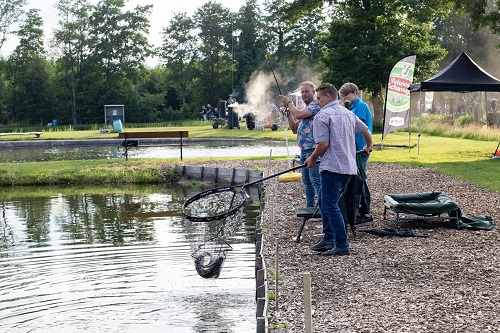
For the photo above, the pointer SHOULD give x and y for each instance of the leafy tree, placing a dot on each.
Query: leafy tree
(293, 46)
(492, 19)
(366, 38)
(305, 47)
(483, 13)
(274, 49)
(119, 38)
(276, 31)
(4, 114)
(456, 33)
(151, 93)
(29, 74)
(247, 54)
(73, 44)
(178, 53)
(119, 48)
(10, 11)
(215, 51)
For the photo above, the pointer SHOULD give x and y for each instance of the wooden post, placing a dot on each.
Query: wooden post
(276, 278)
(307, 303)
(181, 144)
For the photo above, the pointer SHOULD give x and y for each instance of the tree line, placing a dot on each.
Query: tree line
(97, 53)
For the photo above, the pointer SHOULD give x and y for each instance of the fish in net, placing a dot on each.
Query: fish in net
(212, 218)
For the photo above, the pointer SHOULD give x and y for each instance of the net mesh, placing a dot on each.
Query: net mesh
(211, 219)
(214, 204)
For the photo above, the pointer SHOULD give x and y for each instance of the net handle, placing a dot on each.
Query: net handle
(271, 176)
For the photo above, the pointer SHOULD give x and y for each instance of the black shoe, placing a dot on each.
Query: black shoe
(323, 246)
(337, 252)
(362, 221)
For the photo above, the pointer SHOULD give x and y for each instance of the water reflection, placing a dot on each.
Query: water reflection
(221, 148)
(116, 262)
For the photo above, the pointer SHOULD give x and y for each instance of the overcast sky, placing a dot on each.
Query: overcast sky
(163, 11)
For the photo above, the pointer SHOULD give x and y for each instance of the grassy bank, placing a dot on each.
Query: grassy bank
(89, 172)
(139, 171)
(468, 159)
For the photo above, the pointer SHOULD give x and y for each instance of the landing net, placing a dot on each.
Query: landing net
(212, 218)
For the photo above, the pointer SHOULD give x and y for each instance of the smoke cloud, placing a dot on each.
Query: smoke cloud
(262, 89)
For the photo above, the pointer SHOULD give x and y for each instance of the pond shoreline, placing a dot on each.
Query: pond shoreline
(388, 284)
(115, 142)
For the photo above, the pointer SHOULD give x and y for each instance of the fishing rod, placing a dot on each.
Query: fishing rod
(269, 62)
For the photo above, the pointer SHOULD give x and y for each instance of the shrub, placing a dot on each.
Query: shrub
(465, 120)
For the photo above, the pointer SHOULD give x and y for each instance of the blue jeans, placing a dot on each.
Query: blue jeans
(362, 198)
(333, 223)
(310, 178)
(364, 159)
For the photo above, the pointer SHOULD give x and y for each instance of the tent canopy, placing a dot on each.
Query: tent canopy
(462, 74)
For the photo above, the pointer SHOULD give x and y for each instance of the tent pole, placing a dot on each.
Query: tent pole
(419, 115)
(409, 131)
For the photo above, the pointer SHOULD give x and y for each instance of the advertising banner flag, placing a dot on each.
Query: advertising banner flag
(397, 97)
(429, 97)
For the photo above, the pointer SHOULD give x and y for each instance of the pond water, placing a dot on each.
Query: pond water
(117, 260)
(213, 148)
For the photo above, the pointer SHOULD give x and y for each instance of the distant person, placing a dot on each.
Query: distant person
(230, 106)
(335, 128)
(204, 112)
(301, 123)
(272, 112)
(210, 111)
(350, 92)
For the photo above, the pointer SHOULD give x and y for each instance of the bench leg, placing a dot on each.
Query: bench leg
(300, 229)
(126, 150)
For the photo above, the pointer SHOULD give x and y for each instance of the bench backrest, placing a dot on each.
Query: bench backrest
(158, 134)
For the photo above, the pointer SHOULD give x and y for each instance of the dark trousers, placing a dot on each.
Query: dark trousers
(354, 199)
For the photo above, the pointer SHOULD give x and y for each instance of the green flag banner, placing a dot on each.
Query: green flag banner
(397, 97)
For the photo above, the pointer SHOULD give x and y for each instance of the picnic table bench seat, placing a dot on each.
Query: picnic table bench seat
(37, 134)
(127, 143)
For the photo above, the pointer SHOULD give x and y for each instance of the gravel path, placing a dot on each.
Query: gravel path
(445, 283)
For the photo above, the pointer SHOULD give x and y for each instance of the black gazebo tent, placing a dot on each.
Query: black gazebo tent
(462, 74)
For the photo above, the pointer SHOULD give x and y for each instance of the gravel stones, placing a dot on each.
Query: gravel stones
(447, 282)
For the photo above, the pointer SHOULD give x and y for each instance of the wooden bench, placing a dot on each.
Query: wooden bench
(149, 135)
(23, 133)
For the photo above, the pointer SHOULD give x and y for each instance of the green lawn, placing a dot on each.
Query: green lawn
(462, 158)
(194, 132)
